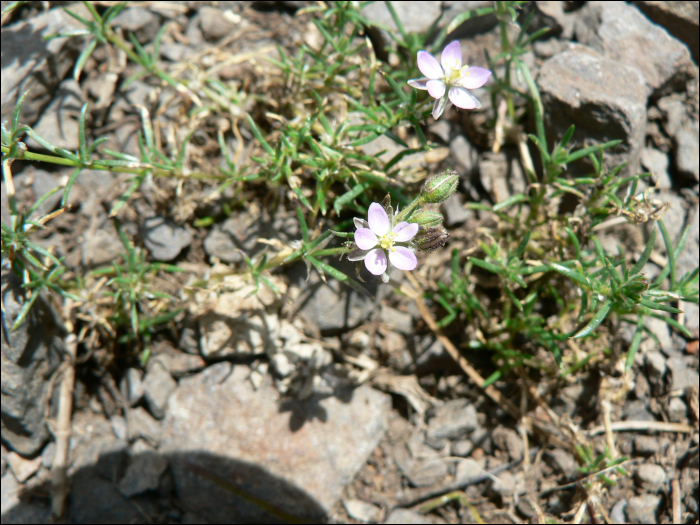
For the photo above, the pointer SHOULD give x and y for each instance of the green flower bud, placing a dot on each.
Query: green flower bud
(440, 187)
(431, 239)
(426, 219)
(637, 285)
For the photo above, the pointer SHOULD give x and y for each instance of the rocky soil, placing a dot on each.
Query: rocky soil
(322, 404)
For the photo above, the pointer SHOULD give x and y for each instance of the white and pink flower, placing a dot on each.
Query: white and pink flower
(449, 83)
(377, 238)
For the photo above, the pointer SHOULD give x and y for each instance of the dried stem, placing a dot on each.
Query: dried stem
(59, 479)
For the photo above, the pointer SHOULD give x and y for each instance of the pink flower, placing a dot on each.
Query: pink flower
(448, 83)
(377, 237)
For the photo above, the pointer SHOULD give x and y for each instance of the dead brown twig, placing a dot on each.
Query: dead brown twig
(59, 469)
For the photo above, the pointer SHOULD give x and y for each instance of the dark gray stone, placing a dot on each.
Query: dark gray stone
(158, 384)
(637, 411)
(30, 355)
(605, 99)
(164, 239)
(102, 247)
(617, 513)
(396, 319)
(563, 461)
(452, 420)
(143, 23)
(220, 244)
(97, 500)
(58, 123)
(143, 474)
(656, 163)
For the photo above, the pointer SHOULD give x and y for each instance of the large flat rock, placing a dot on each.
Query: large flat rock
(237, 453)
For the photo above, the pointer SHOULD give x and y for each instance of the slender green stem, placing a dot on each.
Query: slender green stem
(406, 212)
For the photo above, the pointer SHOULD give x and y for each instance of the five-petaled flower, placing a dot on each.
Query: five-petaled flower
(448, 84)
(378, 236)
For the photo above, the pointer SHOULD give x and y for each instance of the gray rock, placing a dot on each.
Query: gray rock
(332, 306)
(682, 373)
(396, 319)
(30, 355)
(158, 385)
(504, 485)
(623, 34)
(441, 128)
(214, 23)
(656, 163)
(399, 516)
(98, 500)
(361, 510)
(452, 420)
(142, 424)
(20, 510)
(220, 244)
(43, 183)
(38, 65)
(642, 509)
(142, 22)
(48, 454)
(552, 16)
(656, 366)
(500, 174)
(637, 411)
(646, 445)
(420, 472)
(563, 461)
(416, 17)
(466, 155)
(509, 440)
(164, 239)
(134, 386)
(23, 468)
(687, 152)
(650, 478)
(674, 218)
(680, 19)
(143, 474)
(603, 98)
(454, 211)
(617, 513)
(58, 123)
(462, 448)
(677, 411)
(101, 248)
(119, 426)
(318, 445)
(470, 27)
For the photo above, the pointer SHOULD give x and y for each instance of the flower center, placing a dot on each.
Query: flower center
(387, 241)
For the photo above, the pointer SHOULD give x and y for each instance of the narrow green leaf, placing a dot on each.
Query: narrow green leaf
(639, 265)
(258, 135)
(597, 319)
(333, 272)
(574, 275)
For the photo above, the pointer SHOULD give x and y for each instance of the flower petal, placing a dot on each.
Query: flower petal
(402, 258)
(419, 83)
(365, 239)
(378, 219)
(439, 107)
(474, 77)
(451, 56)
(436, 88)
(429, 66)
(375, 262)
(357, 255)
(405, 231)
(461, 98)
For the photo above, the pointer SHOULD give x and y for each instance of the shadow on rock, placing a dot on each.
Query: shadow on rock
(150, 487)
